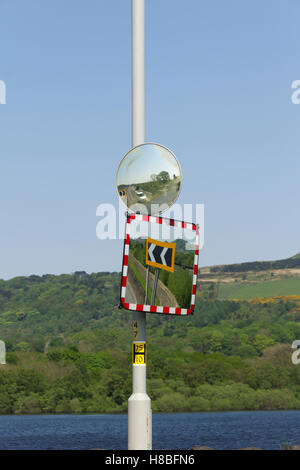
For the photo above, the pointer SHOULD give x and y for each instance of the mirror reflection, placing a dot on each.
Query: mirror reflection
(149, 179)
(160, 267)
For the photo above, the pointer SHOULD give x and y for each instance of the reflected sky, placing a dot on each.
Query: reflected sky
(162, 232)
(144, 161)
(149, 179)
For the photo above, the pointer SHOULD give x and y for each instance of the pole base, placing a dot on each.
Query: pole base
(139, 422)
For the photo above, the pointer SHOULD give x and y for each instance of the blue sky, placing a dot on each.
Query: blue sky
(219, 78)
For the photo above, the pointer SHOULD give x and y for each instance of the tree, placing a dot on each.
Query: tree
(163, 177)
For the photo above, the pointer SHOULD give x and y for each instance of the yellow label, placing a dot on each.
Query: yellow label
(139, 353)
(139, 348)
(135, 329)
(139, 359)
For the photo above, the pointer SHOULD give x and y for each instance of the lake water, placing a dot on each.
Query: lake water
(228, 430)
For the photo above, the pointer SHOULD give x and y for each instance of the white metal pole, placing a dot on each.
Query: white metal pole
(139, 404)
(138, 72)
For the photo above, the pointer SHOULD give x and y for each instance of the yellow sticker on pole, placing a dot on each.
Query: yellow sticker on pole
(138, 353)
(135, 329)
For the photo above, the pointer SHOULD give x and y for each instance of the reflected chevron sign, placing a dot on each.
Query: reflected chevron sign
(160, 254)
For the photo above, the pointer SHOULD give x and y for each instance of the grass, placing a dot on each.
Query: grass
(266, 289)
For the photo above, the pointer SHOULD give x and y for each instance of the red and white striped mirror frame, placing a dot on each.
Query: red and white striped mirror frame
(157, 308)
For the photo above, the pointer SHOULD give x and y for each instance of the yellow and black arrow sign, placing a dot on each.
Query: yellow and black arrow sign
(138, 353)
(123, 192)
(160, 254)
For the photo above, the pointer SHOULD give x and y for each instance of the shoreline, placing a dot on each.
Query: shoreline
(111, 413)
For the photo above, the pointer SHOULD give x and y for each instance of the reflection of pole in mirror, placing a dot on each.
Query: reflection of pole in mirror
(154, 286)
(161, 255)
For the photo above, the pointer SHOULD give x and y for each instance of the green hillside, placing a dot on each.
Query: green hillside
(260, 289)
(69, 350)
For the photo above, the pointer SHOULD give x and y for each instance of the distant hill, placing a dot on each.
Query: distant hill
(250, 280)
(292, 262)
(69, 346)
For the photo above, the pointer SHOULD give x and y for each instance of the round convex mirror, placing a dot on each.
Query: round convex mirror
(149, 179)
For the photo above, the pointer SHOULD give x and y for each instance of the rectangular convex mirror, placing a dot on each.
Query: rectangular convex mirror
(160, 265)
